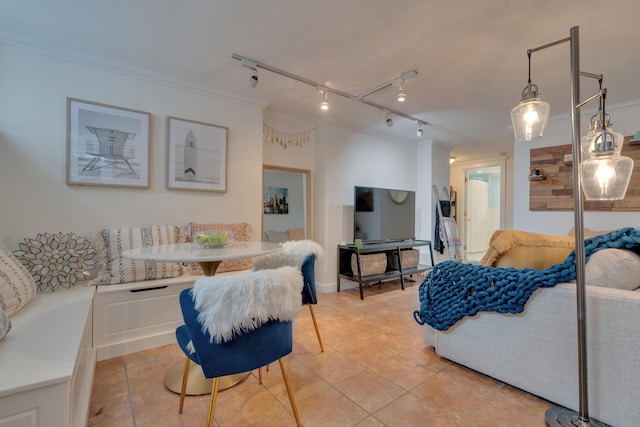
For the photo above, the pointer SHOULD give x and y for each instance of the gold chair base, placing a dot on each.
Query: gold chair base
(197, 383)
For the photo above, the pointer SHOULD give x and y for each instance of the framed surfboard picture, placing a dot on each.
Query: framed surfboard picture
(197, 156)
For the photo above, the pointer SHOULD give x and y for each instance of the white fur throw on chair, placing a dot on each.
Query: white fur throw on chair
(233, 304)
(293, 254)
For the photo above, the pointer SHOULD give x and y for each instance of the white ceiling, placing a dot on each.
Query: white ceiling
(470, 54)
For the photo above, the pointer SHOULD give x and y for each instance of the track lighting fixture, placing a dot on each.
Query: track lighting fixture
(402, 96)
(324, 105)
(253, 80)
(419, 130)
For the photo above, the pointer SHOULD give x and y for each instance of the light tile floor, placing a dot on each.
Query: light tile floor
(375, 371)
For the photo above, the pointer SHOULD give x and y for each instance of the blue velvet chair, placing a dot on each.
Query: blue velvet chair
(251, 350)
(309, 296)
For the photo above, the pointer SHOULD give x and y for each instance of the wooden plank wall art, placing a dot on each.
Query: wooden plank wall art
(555, 192)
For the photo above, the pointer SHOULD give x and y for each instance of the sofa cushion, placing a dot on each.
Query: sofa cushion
(522, 249)
(59, 260)
(613, 268)
(17, 287)
(240, 233)
(123, 270)
(5, 324)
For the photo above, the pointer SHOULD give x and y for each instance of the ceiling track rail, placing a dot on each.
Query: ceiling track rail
(253, 64)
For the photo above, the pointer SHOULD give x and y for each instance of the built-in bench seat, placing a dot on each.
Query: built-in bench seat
(47, 361)
(48, 357)
(137, 316)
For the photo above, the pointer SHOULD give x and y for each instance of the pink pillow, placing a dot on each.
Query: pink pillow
(240, 231)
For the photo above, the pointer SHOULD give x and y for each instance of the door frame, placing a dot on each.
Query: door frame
(462, 222)
(308, 197)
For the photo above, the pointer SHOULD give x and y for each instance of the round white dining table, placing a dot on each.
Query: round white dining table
(209, 259)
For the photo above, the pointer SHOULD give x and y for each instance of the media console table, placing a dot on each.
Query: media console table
(392, 250)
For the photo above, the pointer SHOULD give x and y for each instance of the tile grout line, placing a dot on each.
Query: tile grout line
(126, 377)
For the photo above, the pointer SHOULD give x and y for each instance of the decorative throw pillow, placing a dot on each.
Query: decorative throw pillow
(17, 287)
(240, 232)
(124, 270)
(613, 268)
(296, 234)
(523, 249)
(59, 260)
(5, 323)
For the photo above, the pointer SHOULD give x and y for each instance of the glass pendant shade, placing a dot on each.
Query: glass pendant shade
(530, 116)
(606, 179)
(605, 173)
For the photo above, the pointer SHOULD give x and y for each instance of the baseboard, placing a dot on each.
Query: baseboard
(123, 348)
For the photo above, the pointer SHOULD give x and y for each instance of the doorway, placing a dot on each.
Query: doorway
(483, 212)
(296, 184)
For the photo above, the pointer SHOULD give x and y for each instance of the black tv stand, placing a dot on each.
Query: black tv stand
(345, 253)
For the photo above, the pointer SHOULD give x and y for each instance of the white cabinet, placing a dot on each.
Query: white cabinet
(47, 362)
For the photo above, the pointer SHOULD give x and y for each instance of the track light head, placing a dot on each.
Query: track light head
(324, 105)
(419, 130)
(253, 80)
(402, 95)
(389, 120)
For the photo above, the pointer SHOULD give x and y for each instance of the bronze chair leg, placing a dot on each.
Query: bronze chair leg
(185, 377)
(290, 393)
(259, 375)
(212, 402)
(315, 325)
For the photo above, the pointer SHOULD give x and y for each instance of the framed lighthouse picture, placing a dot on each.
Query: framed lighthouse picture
(107, 145)
(197, 156)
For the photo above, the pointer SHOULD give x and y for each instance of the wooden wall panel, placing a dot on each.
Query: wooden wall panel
(556, 192)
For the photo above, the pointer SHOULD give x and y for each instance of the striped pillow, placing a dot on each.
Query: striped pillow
(124, 270)
(17, 286)
(5, 323)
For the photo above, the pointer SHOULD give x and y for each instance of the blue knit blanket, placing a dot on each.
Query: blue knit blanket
(454, 290)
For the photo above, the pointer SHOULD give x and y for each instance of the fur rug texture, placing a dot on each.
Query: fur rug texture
(293, 254)
(232, 304)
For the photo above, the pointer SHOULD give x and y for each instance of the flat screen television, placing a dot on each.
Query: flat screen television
(383, 214)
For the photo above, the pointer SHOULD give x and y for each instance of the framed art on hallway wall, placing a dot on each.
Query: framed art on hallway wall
(107, 145)
(197, 156)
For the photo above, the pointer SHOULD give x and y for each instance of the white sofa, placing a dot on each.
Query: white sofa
(537, 350)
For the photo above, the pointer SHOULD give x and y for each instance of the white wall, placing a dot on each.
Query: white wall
(432, 169)
(558, 132)
(343, 159)
(34, 196)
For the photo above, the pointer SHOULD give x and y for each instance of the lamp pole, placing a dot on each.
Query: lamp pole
(558, 416)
